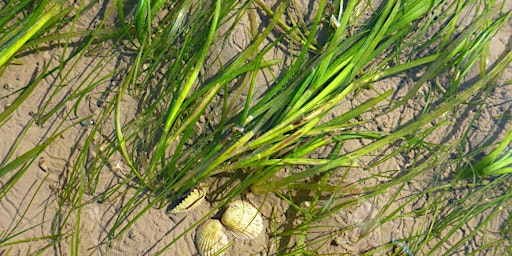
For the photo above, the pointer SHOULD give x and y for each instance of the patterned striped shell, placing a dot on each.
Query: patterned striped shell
(190, 201)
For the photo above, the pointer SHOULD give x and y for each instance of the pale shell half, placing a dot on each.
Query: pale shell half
(191, 201)
(210, 238)
(243, 219)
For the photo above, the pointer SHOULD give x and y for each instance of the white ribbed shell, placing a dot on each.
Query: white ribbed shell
(210, 238)
(243, 219)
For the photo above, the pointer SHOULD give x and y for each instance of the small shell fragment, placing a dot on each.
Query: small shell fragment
(43, 164)
(243, 219)
(210, 238)
(86, 122)
(189, 202)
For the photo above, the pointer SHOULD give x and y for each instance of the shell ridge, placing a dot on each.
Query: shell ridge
(189, 202)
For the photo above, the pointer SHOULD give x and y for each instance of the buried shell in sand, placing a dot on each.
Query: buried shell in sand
(210, 238)
(243, 219)
(188, 202)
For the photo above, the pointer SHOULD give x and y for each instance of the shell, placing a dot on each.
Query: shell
(243, 219)
(43, 164)
(210, 238)
(189, 202)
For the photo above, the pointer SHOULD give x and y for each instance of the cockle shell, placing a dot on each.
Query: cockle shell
(243, 219)
(210, 238)
(190, 201)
